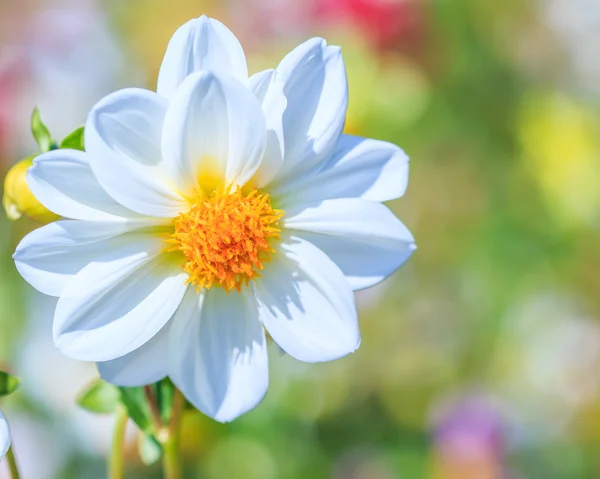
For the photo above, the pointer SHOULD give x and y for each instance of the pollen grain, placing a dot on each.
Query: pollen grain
(226, 238)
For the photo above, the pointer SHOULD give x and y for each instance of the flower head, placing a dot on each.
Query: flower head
(214, 209)
(4, 435)
(225, 238)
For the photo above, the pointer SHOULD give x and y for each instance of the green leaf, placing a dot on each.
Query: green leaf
(137, 408)
(101, 397)
(8, 384)
(74, 140)
(41, 133)
(149, 449)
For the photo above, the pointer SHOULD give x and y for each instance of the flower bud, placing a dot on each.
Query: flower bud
(18, 199)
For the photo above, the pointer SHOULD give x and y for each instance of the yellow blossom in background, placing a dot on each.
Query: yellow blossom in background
(561, 141)
(18, 200)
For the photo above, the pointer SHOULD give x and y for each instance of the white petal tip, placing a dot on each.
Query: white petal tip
(63, 346)
(227, 413)
(354, 348)
(71, 347)
(225, 417)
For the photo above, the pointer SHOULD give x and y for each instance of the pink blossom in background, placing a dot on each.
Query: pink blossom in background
(62, 58)
(258, 21)
(384, 22)
(12, 77)
(469, 440)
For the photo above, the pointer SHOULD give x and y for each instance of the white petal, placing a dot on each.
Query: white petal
(221, 364)
(200, 44)
(260, 82)
(214, 131)
(145, 365)
(50, 256)
(122, 138)
(268, 89)
(316, 89)
(306, 304)
(117, 303)
(365, 239)
(4, 435)
(359, 168)
(62, 180)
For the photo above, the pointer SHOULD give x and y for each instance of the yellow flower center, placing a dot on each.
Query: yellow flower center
(226, 237)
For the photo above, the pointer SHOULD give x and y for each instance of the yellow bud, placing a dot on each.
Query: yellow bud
(18, 199)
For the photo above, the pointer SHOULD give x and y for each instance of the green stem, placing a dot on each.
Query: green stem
(171, 456)
(12, 464)
(154, 409)
(116, 462)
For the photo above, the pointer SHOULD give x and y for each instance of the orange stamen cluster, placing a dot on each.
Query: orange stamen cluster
(225, 238)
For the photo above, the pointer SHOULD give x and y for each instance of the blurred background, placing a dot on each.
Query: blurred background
(480, 358)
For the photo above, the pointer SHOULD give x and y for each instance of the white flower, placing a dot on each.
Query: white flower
(203, 214)
(4, 435)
